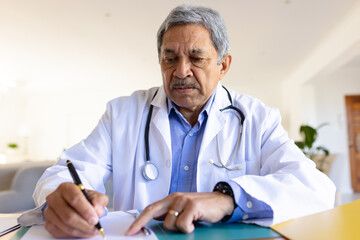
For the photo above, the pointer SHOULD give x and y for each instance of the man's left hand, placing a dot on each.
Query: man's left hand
(180, 210)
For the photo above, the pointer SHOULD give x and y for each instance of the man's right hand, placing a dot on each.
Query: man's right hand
(70, 215)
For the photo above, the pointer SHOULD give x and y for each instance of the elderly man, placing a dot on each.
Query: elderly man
(188, 150)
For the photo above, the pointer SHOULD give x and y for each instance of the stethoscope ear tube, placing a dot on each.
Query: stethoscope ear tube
(147, 130)
(242, 117)
(150, 171)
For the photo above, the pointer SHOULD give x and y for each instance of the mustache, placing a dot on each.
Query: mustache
(184, 83)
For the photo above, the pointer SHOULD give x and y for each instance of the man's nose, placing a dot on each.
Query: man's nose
(183, 69)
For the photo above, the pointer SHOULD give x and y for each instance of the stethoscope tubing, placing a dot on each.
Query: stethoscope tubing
(150, 171)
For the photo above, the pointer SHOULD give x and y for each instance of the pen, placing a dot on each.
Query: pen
(9, 230)
(77, 181)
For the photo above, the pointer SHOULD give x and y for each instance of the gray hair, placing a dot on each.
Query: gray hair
(209, 18)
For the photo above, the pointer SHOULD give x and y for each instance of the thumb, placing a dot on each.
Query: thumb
(98, 200)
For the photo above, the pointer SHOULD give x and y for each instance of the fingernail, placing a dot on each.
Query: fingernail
(127, 233)
(93, 220)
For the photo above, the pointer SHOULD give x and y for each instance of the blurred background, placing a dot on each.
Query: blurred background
(61, 61)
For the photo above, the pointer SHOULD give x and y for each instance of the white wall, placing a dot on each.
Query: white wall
(341, 45)
(325, 97)
(68, 62)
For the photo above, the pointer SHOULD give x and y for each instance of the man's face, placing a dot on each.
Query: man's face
(189, 66)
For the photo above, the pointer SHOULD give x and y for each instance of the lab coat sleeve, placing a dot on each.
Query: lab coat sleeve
(286, 180)
(91, 158)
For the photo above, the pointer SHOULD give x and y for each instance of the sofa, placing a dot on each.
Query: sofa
(18, 181)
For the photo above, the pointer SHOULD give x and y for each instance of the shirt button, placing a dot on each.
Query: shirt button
(190, 134)
(249, 204)
(245, 217)
(186, 168)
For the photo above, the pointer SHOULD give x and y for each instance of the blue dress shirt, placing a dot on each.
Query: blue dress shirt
(185, 146)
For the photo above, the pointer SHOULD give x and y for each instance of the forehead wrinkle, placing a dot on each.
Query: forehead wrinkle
(191, 51)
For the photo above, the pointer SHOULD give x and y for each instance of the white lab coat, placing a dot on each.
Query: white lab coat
(273, 170)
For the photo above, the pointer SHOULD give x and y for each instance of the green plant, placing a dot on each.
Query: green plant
(13, 145)
(309, 135)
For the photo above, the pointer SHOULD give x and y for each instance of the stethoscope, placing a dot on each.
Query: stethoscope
(150, 171)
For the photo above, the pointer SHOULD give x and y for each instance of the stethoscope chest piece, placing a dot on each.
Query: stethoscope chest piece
(150, 171)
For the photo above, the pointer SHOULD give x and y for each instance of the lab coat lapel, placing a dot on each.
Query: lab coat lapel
(147, 192)
(216, 120)
(160, 117)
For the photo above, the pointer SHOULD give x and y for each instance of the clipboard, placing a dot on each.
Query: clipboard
(202, 231)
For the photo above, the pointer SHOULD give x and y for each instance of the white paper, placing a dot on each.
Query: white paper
(115, 225)
(7, 222)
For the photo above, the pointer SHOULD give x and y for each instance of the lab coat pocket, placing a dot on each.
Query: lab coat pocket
(235, 173)
(252, 166)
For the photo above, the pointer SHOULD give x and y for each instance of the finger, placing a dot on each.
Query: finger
(76, 199)
(98, 200)
(190, 213)
(67, 215)
(65, 212)
(209, 207)
(56, 231)
(58, 234)
(154, 210)
(174, 212)
(56, 227)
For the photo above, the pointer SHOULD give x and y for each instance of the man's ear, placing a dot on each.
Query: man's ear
(225, 65)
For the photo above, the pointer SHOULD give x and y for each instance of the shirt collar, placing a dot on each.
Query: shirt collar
(205, 111)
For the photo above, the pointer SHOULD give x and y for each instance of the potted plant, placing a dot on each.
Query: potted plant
(13, 145)
(12, 151)
(319, 154)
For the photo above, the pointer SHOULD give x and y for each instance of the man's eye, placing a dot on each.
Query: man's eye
(169, 60)
(197, 59)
